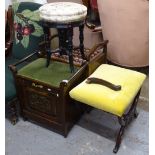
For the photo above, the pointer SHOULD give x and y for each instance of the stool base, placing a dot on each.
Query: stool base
(65, 35)
(125, 120)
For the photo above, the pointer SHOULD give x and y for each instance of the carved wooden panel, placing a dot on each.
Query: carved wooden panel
(42, 102)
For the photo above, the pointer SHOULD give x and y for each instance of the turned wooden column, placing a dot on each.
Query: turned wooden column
(70, 48)
(81, 38)
(47, 44)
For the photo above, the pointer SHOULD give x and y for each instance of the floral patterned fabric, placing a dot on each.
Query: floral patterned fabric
(35, 1)
(77, 58)
(63, 12)
(28, 31)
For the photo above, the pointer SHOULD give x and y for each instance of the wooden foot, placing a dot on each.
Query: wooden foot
(136, 113)
(65, 135)
(13, 112)
(14, 120)
(119, 139)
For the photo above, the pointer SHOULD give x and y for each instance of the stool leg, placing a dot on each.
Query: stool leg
(125, 120)
(13, 111)
(135, 104)
(119, 136)
(135, 113)
(81, 38)
(70, 48)
(62, 40)
(47, 45)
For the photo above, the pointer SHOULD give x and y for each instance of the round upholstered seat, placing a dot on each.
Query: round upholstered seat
(63, 12)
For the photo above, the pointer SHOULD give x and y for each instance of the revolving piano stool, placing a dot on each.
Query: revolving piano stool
(63, 16)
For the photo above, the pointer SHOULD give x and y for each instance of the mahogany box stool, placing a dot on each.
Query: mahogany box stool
(114, 90)
(44, 94)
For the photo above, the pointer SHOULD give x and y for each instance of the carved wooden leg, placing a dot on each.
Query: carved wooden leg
(135, 113)
(125, 120)
(119, 139)
(135, 104)
(65, 132)
(61, 40)
(47, 45)
(13, 112)
(70, 48)
(81, 38)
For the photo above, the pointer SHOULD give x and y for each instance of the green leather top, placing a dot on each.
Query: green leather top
(53, 74)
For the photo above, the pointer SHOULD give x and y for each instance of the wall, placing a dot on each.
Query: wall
(7, 3)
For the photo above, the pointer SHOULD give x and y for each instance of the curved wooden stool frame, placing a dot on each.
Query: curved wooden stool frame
(127, 117)
(125, 120)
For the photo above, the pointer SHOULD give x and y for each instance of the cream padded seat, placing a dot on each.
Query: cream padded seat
(63, 12)
(106, 99)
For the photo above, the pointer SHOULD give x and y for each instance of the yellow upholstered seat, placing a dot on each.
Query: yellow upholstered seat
(104, 98)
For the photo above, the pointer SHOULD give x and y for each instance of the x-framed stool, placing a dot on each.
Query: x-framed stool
(114, 90)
